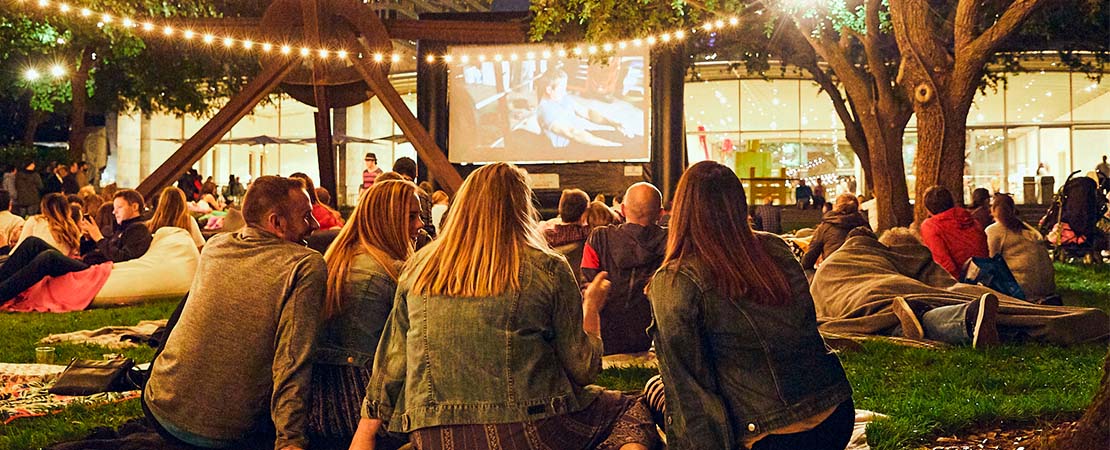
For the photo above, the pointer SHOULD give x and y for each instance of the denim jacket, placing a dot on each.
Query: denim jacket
(350, 337)
(735, 369)
(520, 356)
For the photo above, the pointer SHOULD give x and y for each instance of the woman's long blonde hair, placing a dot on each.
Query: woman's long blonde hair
(55, 209)
(172, 210)
(478, 254)
(378, 227)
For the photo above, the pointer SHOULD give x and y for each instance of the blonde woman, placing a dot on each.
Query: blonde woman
(363, 262)
(173, 211)
(54, 225)
(489, 343)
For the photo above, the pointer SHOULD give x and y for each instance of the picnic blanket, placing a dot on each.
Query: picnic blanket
(24, 392)
(111, 337)
(624, 360)
(854, 288)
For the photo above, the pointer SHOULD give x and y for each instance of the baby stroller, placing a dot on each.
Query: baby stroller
(1071, 224)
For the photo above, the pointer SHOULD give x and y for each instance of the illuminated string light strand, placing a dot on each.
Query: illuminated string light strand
(166, 30)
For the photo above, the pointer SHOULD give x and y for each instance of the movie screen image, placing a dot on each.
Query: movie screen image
(536, 103)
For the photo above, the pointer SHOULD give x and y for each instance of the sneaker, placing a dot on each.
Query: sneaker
(985, 333)
(911, 327)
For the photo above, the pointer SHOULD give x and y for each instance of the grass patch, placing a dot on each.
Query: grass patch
(926, 393)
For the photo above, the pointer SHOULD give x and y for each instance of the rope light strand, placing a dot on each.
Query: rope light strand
(261, 46)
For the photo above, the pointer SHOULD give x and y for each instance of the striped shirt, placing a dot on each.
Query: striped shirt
(368, 177)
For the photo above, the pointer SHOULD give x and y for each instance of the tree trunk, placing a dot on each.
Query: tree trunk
(1093, 429)
(888, 172)
(941, 144)
(34, 119)
(79, 86)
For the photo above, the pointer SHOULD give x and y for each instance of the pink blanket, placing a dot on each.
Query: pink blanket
(70, 292)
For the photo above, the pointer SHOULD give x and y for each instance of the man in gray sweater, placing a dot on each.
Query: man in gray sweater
(236, 368)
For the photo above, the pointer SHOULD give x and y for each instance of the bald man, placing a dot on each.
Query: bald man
(630, 252)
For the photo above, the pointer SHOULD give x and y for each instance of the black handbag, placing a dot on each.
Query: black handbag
(87, 377)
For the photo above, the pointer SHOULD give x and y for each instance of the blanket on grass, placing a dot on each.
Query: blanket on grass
(854, 288)
(137, 434)
(24, 392)
(114, 337)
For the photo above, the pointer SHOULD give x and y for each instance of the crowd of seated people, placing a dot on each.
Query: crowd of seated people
(479, 334)
(48, 271)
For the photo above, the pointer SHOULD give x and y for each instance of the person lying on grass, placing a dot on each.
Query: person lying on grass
(893, 287)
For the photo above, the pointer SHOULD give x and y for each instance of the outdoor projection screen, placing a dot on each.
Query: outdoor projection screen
(536, 103)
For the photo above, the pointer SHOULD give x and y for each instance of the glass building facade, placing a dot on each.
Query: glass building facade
(1036, 124)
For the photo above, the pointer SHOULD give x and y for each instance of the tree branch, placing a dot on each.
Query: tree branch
(871, 49)
(982, 46)
(967, 11)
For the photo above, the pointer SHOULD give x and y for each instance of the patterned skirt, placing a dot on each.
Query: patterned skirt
(337, 393)
(612, 420)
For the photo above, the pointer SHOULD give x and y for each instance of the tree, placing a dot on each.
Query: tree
(876, 50)
(1093, 429)
(111, 69)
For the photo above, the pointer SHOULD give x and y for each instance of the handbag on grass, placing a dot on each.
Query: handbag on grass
(87, 377)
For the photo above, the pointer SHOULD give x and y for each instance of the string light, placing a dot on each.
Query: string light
(105, 18)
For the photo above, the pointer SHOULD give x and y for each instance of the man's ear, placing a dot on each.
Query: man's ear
(275, 223)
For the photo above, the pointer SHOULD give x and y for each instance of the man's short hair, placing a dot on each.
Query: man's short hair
(405, 166)
(269, 194)
(5, 200)
(899, 236)
(938, 199)
(130, 196)
(551, 76)
(572, 204)
(846, 203)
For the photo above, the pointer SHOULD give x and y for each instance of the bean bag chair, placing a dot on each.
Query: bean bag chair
(165, 271)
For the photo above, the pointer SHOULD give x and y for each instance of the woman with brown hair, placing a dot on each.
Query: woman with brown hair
(1022, 247)
(173, 211)
(54, 225)
(363, 262)
(496, 319)
(742, 363)
(833, 230)
(321, 212)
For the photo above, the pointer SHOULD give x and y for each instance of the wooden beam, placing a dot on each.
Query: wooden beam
(421, 140)
(459, 31)
(207, 136)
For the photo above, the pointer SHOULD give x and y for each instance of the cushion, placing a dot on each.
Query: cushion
(166, 270)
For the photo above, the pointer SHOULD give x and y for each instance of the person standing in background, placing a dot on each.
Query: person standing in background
(1103, 167)
(818, 195)
(370, 173)
(803, 194)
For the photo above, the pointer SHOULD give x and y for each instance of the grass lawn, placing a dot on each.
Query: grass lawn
(927, 393)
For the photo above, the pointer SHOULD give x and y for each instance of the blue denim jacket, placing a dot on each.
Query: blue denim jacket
(520, 356)
(733, 369)
(350, 337)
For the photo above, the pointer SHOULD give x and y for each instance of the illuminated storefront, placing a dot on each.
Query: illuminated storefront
(1037, 124)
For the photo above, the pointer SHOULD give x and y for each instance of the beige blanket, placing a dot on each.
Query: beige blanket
(110, 337)
(854, 288)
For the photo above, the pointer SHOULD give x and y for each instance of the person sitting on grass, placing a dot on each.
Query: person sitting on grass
(741, 360)
(1023, 249)
(236, 368)
(629, 252)
(569, 227)
(598, 214)
(951, 233)
(130, 238)
(833, 230)
(497, 319)
(54, 226)
(11, 225)
(363, 261)
(173, 210)
(321, 212)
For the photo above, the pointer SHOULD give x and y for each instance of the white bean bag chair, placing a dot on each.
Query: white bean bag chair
(165, 271)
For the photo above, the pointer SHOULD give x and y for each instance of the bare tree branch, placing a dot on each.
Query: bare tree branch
(967, 11)
(1011, 19)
